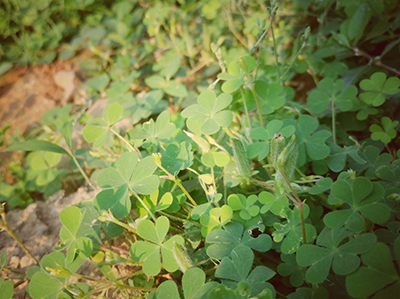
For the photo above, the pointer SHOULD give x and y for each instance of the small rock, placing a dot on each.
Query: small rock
(26, 261)
(14, 262)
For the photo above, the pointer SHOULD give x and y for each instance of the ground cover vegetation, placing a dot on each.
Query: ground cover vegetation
(227, 183)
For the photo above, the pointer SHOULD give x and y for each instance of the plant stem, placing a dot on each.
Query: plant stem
(82, 172)
(333, 122)
(300, 207)
(4, 226)
(273, 12)
(143, 204)
(173, 178)
(130, 147)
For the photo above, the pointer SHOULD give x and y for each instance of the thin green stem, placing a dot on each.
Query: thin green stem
(245, 109)
(143, 204)
(130, 147)
(333, 122)
(157, 159)
(82, 171)
(273, 12)
(300, 207)
(292, 62)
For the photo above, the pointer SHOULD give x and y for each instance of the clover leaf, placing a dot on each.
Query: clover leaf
(262, 148)
(245, 206)
(177, 156)
(378, 88)
(154, 204)
(321, 186)
(290, 267)
(309, 293)
(362, 196)
(311, 141)
(371, 154)
(236, 269)
(223, 240)
(290, 231)
(215, 218)
(192, 284)
(385, 133)
(329, 253)
(149, 250)
(378, 275)
(97, 131)
(170, 87)
(128, 171)
(207, 117)
(154, 131)
(336, 161)
(115, 200)
(391, 176)
(275, 204)
(270, 96)
(329, 92)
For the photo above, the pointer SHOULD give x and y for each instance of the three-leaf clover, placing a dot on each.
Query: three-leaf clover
(261, 149)
(207, 117)
(378, 275)
(329, 92)
(236, 269)
(170, 87)
(215, 218)
(224, 240)
(328, 252)
(378, 88)
(149, 250)
(245, 206)
(385, 133)
(154, 131)
(363, 197)
(290, 231)
(192, 284)
(236, 74)
(128, 171)
(311, 141)
(97, 131)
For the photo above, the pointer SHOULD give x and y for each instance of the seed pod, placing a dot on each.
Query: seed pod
(181, 257)
(286, 163)
(240, 156)
(276, 147)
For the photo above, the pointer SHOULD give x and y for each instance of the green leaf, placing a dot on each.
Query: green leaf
(6, 289)
(378, 274)
(37, 145)
(175, 89)
(112, 113)
(309, 141)
(223, 241)
(149, 251)
(115, 200)
(385, 134)
(290, 231)
(378, 88)
(41, 286)
(237, 268)
(167, 290)
(98, 83)
(270, 96)
(206, 117)
(359, 21)
(177, 157)
(363, 197)
(329, 93)
(71, 218)
(193, 284)
(290, 267)
(216, 218)
(343, 259)
(273, 128)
